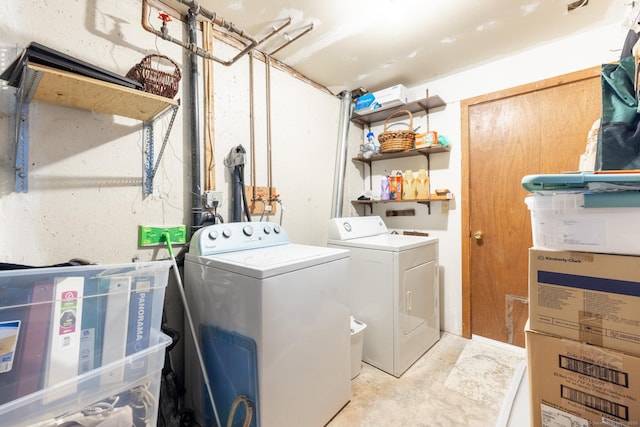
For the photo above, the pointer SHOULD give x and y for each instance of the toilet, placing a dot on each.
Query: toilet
(357, 340)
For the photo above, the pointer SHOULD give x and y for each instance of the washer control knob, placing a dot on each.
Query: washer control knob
(276, 229)
(247, 230)
(226, 232)
(213, 235)
(267, 229)
(347, 226)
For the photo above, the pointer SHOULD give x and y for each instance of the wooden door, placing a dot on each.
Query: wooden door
(537, 128)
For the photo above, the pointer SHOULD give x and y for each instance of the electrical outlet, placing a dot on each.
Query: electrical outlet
(153, 236)
(212, 199)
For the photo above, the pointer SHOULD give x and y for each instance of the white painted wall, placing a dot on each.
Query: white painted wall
(85, 197)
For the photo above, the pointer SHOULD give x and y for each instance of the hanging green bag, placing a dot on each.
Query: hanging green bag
(618, 145)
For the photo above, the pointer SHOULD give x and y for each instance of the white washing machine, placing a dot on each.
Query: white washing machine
(273, 323)
(394, 290)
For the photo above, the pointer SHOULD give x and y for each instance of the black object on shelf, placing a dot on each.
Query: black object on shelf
(43, 55)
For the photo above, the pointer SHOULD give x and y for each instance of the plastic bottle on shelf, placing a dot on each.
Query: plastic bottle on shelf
(422, 185)
(395, 187)
(408, 185)
(371, 140)
(384, 188)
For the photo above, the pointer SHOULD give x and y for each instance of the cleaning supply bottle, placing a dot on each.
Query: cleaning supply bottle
(408, 185)
(395, 186)
(384, 188)
(371, 140)
(422, 185)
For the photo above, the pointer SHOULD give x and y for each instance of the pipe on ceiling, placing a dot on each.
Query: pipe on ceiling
(248, 41)
(290, 39)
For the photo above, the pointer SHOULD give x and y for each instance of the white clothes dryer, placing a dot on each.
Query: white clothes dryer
(273, 323)
(394, 290)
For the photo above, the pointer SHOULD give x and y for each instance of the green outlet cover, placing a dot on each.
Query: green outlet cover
(153, 236)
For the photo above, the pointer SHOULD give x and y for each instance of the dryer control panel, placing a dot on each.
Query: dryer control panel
(356, 227)
(236, 236)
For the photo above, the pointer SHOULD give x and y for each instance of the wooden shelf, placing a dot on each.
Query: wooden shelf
(72, 90)
(426, 202)
(59, 87)
(371, 202)
(434, 198)
(407, 153)
(420, 105)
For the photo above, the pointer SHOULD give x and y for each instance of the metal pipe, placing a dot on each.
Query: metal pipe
(252, 129)
(213, 17)
(192, 47)
(149, 28)
(274, 31)
(267, 63)
(196, 191)
(341, 155)
(291, 39)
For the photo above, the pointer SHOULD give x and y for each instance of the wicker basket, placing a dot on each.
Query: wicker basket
(153, 80)
(397, 140)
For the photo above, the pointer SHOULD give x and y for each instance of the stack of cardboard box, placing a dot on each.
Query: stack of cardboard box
(583, 334)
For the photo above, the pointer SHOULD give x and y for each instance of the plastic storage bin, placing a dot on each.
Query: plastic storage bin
(357, 341)
(132, 401)
(75, 330)
(561, 222)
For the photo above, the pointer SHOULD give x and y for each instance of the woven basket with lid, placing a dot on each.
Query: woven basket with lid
(397, 140)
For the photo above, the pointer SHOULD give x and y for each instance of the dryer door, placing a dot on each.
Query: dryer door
(418, 293)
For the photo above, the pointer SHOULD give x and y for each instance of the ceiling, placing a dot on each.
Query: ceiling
(378, 43)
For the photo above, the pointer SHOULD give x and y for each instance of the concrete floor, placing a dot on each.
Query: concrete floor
(458, 382)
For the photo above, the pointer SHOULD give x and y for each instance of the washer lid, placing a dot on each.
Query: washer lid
(387, 242)
(266, 262)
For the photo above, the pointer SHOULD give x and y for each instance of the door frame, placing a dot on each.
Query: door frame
(465, 105)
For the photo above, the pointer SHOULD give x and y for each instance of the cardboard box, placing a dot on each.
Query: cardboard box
(381, 100)
(587, 297)
(575, 384)
(426, 139)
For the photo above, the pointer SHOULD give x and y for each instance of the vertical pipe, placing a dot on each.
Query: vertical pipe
(236, 212)
(252, 129)
(196, 191)
(341, 155)
(267, 63)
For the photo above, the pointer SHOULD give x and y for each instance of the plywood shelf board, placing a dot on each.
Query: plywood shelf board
(72, 90)
(54, 86)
